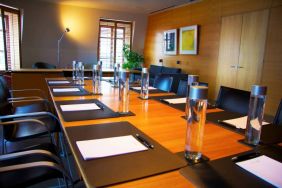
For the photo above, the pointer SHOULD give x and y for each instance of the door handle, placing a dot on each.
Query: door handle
(239, 67)
(233, 66)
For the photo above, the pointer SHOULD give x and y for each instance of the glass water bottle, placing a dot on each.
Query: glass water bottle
(123, 91)
(96, 77)
(197, 106)
(255, 114)
(144, 93)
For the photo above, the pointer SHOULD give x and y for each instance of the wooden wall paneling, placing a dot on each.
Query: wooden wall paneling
(254, 30)
(272, 67)
(232, 7)
(229, 50)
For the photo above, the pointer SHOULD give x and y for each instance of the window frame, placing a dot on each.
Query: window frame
(3, 17)
(116, 22)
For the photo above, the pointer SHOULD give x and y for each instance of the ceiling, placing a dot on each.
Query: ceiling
(133, 6)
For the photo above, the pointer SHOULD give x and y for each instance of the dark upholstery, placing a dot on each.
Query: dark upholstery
(170, 70)
(17, 132)
(278, 117)
(163, 82)
(42, 65)
(155, 70)
(233, 100)
(23, 169)
(182, 87)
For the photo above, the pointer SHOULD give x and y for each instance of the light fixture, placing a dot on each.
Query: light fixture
(59, 43)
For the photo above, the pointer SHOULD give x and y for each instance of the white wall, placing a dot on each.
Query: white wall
(44, 23)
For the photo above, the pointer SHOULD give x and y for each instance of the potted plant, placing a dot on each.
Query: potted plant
(132, 59)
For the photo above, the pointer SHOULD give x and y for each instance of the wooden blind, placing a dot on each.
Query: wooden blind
(10, 56)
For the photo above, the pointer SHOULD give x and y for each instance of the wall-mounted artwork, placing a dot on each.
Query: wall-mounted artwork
(170, 42)
(188, 40)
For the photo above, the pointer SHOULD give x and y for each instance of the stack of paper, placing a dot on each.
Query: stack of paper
(97, 148)
(241, 122)
(265, 168)
(59, 82)
(79, 107)
(139, 88)
(58, 90)
(175, 101)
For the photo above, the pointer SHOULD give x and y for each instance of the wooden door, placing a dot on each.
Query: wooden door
(254, 30)
(230, 37)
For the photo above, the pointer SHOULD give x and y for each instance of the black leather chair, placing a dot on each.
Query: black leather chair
(163, 82)
(24, 123)
(27, 168)
(43, 65)
(182, 87)
(24, 104)
(233, 100)
(278, 117)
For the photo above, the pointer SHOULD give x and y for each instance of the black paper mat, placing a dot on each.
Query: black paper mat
(180, 107)
(82, 92)
(106, 112)
(218, 117)
(225, 173)
(152, 91)
(116, 169)
(270, 134)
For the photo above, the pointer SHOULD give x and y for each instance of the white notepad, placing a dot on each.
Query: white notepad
(264, 167)
(79, 107)
(59, 82)
(241, 122)
(58, 90)
(105, 147)
(139, 88)
(176, 101)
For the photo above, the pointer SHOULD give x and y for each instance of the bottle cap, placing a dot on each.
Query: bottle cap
(258, 90)
(198, 92)
(145, 70)
(192, 78)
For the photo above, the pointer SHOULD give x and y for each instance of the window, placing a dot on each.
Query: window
(10, 58)
(112, 36)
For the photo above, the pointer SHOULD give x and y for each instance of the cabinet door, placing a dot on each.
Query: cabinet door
(254, 30)
(229, 50)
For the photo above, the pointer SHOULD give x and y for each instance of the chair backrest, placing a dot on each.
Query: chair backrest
(42, 65)
(5, 106)
(233, 100)
(278, 117)
(163, 82)
(155, 70)
(182, 87)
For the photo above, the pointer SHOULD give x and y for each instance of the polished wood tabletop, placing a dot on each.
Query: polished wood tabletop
(165, 125)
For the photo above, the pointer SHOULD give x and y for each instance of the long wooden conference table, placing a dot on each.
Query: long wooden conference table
(163, 124)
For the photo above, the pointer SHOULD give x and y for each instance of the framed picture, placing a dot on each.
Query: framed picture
(188, 40)
(170, 42)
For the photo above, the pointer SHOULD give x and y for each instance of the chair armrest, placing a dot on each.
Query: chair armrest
(29, 154)
(32, 114)
(48, 166)
(26, 121)
(27, 90)
(24, 98)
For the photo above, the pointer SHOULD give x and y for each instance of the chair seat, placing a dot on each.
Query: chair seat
(35, 107)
